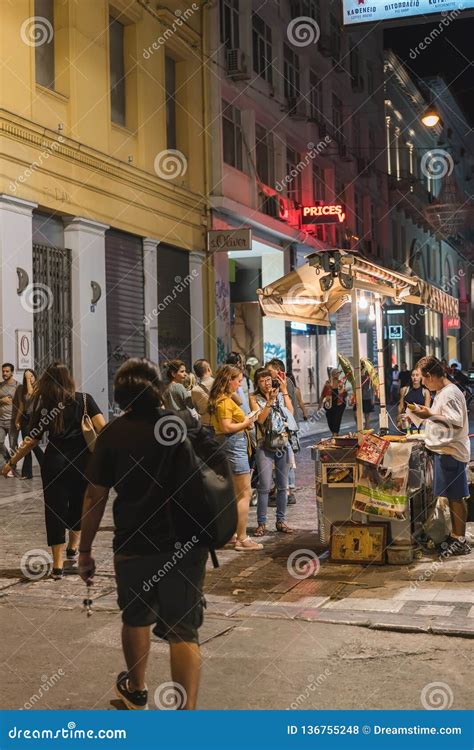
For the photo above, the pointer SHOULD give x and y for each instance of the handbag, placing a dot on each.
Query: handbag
(294, 441)
(88, 429)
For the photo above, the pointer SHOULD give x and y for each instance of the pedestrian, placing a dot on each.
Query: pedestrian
(414, 393)
(241, 396)
(159, 579)
(395, 385)
(231, 426)
(404, 376)
(58, 410)
(8, 388)
(200, 392)
(368, 396)
(24, 400)
(175, 395)
(333, 400)
(447, 436)
(274, 420)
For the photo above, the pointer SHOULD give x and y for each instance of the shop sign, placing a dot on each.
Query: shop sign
(395, 332)
(323, 213)
(222, 240)
(24, 350)
(367, 11)
(453, 322)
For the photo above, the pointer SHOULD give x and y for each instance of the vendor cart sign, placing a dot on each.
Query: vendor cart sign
(354, 543)
(221, 240)
(323, 213)
(24, 350)
(382, 490)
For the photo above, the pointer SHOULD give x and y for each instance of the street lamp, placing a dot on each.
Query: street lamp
(431, 117)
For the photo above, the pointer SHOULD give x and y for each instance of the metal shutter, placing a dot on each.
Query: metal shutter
(125, 301)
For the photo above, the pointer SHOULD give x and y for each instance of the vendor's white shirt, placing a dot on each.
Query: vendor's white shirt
(448, 431)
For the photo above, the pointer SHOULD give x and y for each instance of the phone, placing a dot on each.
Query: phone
(276, 383)
(254, 413)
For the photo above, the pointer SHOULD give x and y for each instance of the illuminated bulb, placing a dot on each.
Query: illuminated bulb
(372, 312)
(363, 303)
(431, 117)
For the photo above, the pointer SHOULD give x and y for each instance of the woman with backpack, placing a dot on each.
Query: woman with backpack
(59, 410)
(274, 422)
(231, 426)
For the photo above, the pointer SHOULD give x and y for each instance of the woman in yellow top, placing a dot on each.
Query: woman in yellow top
(230, 423)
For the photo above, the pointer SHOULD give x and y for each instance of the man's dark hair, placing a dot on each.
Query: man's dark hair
(137, 385)
(430, 366)
(235, 359)
(8, 364)
(200, 367)
(278, 364)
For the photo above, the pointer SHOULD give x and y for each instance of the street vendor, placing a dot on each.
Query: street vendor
(447, 436)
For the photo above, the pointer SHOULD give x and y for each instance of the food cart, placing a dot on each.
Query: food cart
(354, 486)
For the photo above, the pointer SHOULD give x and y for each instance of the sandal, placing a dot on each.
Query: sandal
(283, 527)
(247, 545)
(261, 530)
(231, 543)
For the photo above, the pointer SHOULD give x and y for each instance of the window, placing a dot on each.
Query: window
(319, 187)
(44, 53)
(306, 8)
(232, 135)
(170, 92)
(262, 48)
(337, 118)
(294, 187)
(229, 18)
(372, 145)
(117, 71)
(335, 36)
(354, 62)
(356, 136)
(359, 214)
(315, 96)
(395, 246)
(370, 79)
(264, 155)
(373, 223)
(291, 73)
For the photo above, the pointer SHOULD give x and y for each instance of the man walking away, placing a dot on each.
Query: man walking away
(447, 436)
(8, 387)
(200, 392)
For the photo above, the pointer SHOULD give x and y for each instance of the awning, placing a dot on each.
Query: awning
(298, 296)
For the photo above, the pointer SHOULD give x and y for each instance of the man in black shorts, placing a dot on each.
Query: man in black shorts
(159, 568)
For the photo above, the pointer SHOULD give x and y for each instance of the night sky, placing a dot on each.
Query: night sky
(447, 56)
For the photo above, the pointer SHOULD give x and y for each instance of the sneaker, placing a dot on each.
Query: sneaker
(247, 545)
(57, 574)
(291, 498)
(136, 700)
(72, 554)
(455, 546)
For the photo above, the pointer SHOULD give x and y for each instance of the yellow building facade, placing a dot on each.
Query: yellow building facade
(102, 184)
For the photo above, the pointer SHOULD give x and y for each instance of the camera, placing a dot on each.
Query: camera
(275, 383)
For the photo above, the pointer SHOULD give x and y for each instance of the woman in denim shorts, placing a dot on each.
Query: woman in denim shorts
(230, 425)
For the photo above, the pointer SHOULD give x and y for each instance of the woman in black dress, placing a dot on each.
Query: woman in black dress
(24, 396)
(58, 411)
(333, 400)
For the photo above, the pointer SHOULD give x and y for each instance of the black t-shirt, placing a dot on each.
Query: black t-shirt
(128, 455)
(70, 441)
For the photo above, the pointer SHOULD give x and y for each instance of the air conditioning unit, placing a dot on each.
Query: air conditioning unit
(325, 45)
(357, 84)
(297, 109)
(236, 63)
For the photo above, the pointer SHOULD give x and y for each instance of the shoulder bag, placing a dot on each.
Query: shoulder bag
(88, 429)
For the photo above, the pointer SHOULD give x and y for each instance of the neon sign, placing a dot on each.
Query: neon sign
(323, 213)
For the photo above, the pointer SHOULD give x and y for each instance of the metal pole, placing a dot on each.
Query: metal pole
(356, 358)
(383, 419)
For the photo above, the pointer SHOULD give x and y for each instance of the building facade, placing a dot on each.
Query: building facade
(102, 208)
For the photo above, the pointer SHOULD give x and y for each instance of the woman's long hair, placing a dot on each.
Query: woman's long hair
(23, 385)
(137, 385)
(220, 386)
(53, 390)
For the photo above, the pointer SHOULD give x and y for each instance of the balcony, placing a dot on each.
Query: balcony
(410, 194)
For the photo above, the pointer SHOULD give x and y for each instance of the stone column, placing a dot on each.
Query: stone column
(274, 330)
(150, 271)
(86, 240)
(16, 251)
(196, 293)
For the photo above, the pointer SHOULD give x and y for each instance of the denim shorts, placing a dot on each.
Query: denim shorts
(236, 449)
(450, 477)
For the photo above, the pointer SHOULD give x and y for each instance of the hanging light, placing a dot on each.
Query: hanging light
(431, 117)
(372, 312)
(363, 301)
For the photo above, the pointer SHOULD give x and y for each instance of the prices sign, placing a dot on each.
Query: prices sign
(323, 213)
(366, 11)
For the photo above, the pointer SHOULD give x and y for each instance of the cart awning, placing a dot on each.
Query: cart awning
(298, 295)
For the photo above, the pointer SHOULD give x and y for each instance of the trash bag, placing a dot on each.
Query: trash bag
(438, 525)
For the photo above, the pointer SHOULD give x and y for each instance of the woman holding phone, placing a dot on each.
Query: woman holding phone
(415, 393)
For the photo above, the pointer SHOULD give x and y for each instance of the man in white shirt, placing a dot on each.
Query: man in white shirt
(447, 436)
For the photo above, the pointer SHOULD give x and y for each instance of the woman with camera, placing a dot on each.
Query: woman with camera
(275, 420)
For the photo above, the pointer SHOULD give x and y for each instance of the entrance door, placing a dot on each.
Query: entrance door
(51, 304)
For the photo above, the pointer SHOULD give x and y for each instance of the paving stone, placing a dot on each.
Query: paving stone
(369, 605)
(418, 594)
(455, 595)
(434, 610)
(471, 612)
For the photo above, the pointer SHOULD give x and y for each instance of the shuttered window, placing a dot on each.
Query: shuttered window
(174, 320)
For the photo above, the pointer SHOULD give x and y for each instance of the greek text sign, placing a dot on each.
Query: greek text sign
(366, 11)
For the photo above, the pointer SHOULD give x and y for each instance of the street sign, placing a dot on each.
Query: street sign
(367, 11)
(222, 240)
(395, 332)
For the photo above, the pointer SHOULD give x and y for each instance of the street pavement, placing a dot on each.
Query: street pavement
(344, 636)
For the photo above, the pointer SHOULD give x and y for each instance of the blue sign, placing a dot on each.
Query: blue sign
(395, 332)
